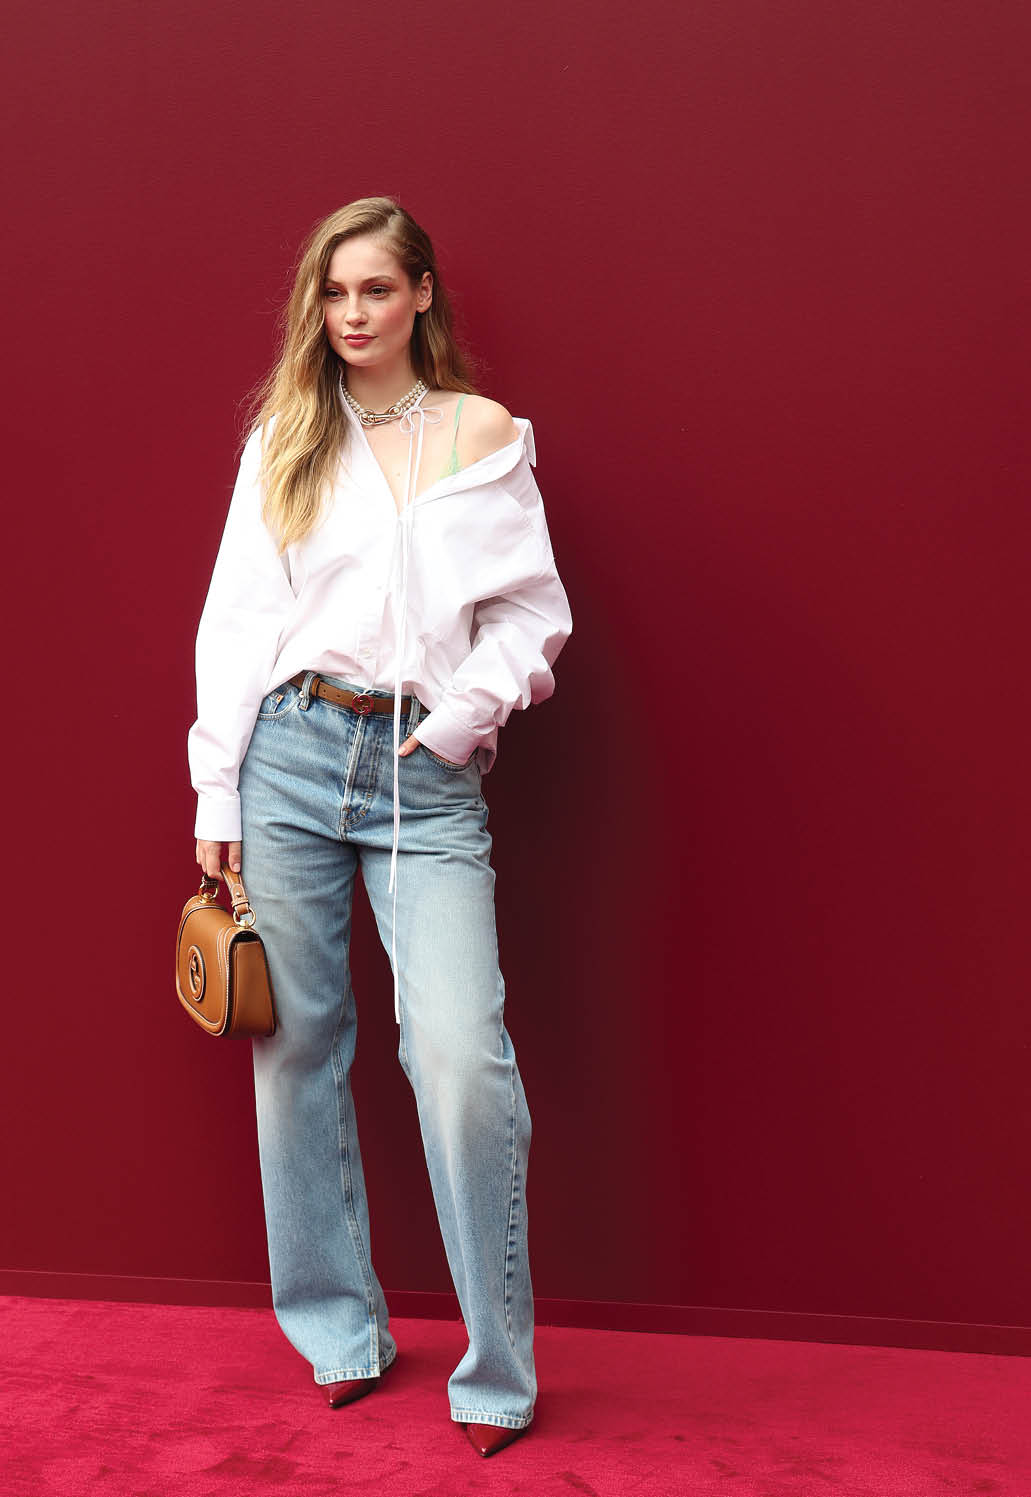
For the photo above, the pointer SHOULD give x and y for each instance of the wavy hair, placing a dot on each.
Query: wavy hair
(301, 447)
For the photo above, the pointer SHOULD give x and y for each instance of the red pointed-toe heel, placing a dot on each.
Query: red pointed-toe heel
(338, 1394)
(490, 1438)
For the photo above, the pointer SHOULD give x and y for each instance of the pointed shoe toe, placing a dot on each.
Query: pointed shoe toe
(489, 1438)
(337, 1394)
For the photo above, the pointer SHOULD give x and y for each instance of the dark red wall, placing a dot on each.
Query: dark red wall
(755, 272)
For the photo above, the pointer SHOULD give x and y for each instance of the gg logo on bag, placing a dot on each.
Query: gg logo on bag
(195, 973)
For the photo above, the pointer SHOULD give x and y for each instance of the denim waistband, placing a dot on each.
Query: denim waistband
(416, 713)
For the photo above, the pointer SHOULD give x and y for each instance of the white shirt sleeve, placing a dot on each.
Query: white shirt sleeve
(248, 601)
(516, 639)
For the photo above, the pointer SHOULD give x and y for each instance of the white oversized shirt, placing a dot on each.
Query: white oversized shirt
(456, 599)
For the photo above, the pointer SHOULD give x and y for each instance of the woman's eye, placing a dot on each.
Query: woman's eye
(332, 293)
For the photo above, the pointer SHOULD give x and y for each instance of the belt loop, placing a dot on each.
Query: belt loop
(413, 715)
(310, 677)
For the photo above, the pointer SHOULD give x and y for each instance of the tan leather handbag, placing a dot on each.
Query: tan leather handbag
(221, 970)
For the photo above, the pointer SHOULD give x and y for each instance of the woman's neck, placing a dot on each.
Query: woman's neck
(376, 389)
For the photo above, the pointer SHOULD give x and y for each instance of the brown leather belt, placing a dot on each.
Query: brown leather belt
(358, 701)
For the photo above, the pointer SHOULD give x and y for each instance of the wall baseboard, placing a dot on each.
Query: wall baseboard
(595, 1315)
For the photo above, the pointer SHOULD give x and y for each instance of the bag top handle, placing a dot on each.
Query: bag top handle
(242, 912)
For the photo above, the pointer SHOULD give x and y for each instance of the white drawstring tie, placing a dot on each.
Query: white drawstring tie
(407, 424)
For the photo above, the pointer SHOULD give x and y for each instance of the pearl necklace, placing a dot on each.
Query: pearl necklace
(375, 418)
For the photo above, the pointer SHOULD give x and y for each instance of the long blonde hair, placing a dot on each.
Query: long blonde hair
(300, 451)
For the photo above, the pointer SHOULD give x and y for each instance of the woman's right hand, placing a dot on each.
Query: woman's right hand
(209, 856)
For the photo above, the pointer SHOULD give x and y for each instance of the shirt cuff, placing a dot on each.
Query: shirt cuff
(218, 820)
(441, 731)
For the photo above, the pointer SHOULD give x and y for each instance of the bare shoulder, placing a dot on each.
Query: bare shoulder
(485, 427)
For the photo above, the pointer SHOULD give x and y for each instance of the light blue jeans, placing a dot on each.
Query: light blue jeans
(316, 792)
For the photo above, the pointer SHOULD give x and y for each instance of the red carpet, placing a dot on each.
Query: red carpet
(126, 1400)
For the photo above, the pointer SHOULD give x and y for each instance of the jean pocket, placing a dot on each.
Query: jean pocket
(447, 763)
(279, 701)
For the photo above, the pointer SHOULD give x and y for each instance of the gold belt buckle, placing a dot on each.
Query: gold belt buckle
(361, 703)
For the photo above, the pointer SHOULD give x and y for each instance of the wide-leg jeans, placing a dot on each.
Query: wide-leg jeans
(316, 792)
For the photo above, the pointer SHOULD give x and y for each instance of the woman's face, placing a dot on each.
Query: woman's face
(367, 293)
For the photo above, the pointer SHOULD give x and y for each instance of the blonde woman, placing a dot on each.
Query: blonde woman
(384, 595)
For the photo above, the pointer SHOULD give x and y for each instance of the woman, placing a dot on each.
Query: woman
(384, 595)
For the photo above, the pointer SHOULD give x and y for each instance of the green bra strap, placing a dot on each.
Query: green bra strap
(452, 466)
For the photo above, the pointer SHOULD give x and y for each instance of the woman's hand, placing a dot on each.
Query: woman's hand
(209, 856)
(411, 744)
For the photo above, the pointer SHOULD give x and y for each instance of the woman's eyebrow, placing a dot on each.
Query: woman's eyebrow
(366, 282)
